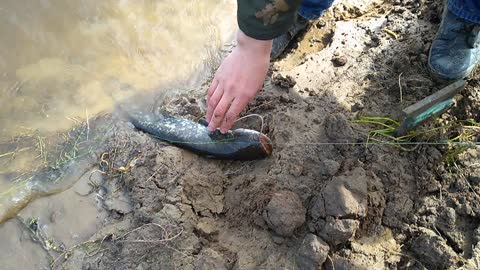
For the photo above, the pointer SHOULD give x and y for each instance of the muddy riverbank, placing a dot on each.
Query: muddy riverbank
(325, 198)
(315, 202)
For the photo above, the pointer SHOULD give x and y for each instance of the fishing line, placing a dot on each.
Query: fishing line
(385, 143)
(231, 141)
(250, 115)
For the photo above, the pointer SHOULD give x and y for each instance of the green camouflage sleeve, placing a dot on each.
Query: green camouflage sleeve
(266, 19)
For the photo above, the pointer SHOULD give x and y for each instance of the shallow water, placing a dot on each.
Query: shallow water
(62, 59)
(65, 219)
(62, 62)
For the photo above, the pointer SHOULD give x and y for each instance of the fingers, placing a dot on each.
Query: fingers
(231, 116)
(213, 100)
(219, 112)
(212, 88)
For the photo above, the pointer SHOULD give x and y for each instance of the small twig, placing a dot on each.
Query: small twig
(14, 152)
(70, 250)
(259, 106)
(331, 260)
(96, 170)
(471, 188)
(74, 120)
(88, 122)
(436, 230)
(138, 228)
(155, 173)
(176, 250)
(391, 33)
(400, 86)
(66, 251)
(159, 241)
(100, 246)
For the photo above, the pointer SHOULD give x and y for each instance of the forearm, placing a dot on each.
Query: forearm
(255, 46)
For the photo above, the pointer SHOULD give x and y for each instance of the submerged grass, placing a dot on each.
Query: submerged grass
(55, 157)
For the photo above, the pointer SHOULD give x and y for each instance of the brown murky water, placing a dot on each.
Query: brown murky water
(61, 59)
(64, 61)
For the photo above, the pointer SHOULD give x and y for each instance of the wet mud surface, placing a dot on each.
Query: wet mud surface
(318, 202)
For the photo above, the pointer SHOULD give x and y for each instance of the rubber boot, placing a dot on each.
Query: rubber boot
(280, 43)
(455, 51)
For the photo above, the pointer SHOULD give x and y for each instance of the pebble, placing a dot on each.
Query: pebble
(357, 107)
(321, 23)
(339, 61)
(284, 213)
(278, 239)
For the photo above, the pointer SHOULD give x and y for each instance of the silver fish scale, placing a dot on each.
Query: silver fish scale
(179, 130)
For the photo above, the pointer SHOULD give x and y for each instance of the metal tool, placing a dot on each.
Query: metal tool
(429, 107)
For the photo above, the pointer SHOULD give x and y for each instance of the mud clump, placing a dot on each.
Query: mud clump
(210, 259)
(470, 160)
(334, 211)
(284, 213)
(337, 231)
(206, 226)
(329, 167)
(313, 253)
(344, 197)
(284, 82)
(433, 251)
(337, 128)
(399, 205)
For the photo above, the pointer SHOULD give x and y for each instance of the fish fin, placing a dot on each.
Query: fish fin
(218, 136)
(203, 122)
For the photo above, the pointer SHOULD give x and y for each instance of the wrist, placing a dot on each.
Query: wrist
(255, 46)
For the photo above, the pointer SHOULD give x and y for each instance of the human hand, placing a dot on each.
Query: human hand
(237, 81)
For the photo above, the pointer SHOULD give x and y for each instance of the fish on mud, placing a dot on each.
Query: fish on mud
(238, 144)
